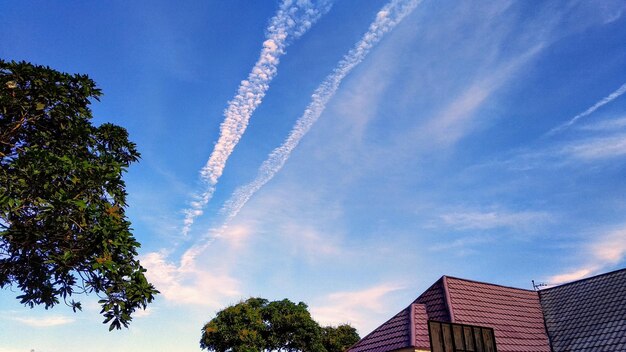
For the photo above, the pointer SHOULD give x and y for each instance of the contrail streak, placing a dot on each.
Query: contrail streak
(291, 21)
(386, 19)
(621, 90)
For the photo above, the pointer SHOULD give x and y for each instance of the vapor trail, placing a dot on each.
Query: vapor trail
(386, 19)
(292, 20)
(621, 90)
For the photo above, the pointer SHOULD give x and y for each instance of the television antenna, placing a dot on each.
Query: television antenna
(537, 286)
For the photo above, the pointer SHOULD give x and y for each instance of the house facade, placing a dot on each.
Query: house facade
(464, 315)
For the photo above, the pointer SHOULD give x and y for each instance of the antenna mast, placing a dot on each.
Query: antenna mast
(537, 286)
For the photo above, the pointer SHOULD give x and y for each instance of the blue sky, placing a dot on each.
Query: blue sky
(375, 147)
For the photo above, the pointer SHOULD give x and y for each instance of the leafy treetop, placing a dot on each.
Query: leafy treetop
(63, 229)
(260, 325)
(339, 338)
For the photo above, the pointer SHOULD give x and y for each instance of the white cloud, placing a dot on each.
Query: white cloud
(452, 123)
(493, 219)
(142, 313)
(598, 148)
(5, 349)
(387, 18)
(611, 248)
(456, 119)
(309, 243)
(303, 223)
(460, 245)
(291, 21)
(609, 98)
(606, 125)
(571, 276)
(354, 307)
(44, 321)
(188, 284)
(608, 250)
(237, 235)
(570, 153)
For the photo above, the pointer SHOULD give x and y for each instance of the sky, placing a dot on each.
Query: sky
(342, 153)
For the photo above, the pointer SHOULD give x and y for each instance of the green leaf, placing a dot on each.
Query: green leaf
(57, 173)
(81, 204)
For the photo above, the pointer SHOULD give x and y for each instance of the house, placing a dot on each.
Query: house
(464, 315)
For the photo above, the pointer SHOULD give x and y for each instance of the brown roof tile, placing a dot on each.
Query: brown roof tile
(420, 327)
(406, 329)
(393, 334)
(434, 298)
(513, 313)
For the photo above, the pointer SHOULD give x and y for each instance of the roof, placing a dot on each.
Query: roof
(587, 315)
(434, 298)
(514, 314)
(420, 327)
(407, 328)
(582, 316)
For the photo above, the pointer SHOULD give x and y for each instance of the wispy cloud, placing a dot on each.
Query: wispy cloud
(588, 149)
(354, 307)
(188, 284)
(44, 322)
(311, 243)
(386, 19)
(461, 245)
(571, 276)
(616, 94)
(609, 249)
(291, 21)
(4, 349)
(142, 313)
(606, 125)
(457, 118)
(493, 219)
(598, 148)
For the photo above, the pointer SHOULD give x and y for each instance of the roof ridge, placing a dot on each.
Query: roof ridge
(583, 279)
(488, 283)
(446, 292)
(412, 332)
(376, 329)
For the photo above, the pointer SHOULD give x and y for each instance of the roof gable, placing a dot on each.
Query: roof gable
(406, 329)
(587, 315)
(514, 314)
(434, 298)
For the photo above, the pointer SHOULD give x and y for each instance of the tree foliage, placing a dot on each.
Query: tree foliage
(260, 325)
(63, 230)
(339, 338)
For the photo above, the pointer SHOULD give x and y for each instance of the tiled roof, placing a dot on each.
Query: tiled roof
(398, 332)
(420, 327)
(583, 316)
(514, 314)
(587, 315)
(393, 334)
(435, 300)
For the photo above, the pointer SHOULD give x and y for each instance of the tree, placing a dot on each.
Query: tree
(63, 230)
(291, 327)
(237, 328)
(340, 338)
(259, 325)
